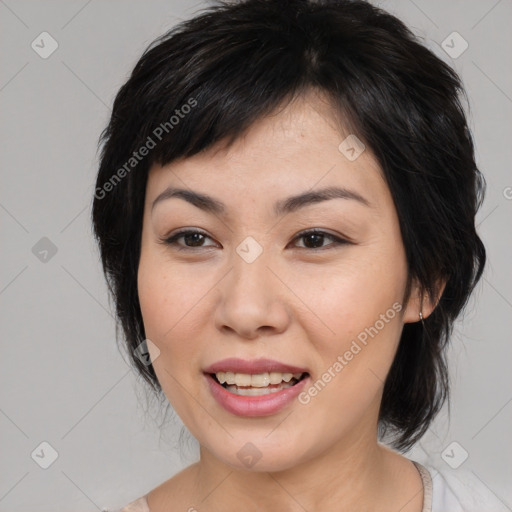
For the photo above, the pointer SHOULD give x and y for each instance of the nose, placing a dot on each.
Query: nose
(252, 301)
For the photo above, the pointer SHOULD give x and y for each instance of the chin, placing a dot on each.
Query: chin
(259, 454)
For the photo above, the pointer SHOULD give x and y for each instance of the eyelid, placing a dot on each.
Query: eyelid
(170, 240)
(336, 239)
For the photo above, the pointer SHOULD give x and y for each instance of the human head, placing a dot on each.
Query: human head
(238, 63)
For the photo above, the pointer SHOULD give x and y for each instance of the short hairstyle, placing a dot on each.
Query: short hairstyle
(208, 79)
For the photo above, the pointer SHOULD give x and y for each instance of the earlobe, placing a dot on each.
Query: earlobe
(419, 306)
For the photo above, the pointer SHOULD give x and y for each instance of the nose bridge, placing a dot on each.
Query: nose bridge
(250, 276)
(250, 295)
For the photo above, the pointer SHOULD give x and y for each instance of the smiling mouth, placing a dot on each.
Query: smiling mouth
(259, 384)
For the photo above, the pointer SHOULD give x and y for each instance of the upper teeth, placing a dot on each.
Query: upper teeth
(259, 380)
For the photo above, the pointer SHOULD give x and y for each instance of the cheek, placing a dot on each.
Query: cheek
(166, 304)
(153, 298)
(352, 295)
(166, 295)
(356, 326)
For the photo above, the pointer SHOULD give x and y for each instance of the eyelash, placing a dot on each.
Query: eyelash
(171, 241)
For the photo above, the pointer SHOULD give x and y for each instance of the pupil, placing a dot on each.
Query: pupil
(315, 237)
(197, 239)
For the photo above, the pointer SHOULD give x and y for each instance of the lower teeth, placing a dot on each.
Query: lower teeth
(259, 391)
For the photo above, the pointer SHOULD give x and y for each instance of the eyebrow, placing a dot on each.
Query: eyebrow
(284, 206)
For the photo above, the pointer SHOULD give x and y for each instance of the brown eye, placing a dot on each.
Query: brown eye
(314, 239)
(191, 239)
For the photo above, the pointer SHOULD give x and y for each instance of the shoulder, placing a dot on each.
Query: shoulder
(461, 491)
(139, 505)
(176, 491)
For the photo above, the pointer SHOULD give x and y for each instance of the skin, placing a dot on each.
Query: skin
(298, 305)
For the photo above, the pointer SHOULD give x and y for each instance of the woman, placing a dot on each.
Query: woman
(285, 210)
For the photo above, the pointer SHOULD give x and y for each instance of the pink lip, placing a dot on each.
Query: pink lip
(252, 406)
(236, 365)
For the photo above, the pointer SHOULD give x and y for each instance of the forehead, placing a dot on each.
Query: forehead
(293, 150)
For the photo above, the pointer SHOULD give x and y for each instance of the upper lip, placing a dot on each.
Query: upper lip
(255, 366)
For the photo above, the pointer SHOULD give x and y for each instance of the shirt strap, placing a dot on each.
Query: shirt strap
(427, 486)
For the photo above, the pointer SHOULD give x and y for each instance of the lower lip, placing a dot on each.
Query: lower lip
(251, 406)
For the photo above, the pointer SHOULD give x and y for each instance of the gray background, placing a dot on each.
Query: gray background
(63, 380)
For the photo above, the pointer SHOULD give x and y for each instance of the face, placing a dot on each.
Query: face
(251, 281)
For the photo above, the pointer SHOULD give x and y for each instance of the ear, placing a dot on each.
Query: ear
(421, 303)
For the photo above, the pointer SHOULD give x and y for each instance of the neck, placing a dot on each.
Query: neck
(355, 474)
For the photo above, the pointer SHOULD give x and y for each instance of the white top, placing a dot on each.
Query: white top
(444, 490)
(460, 490)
